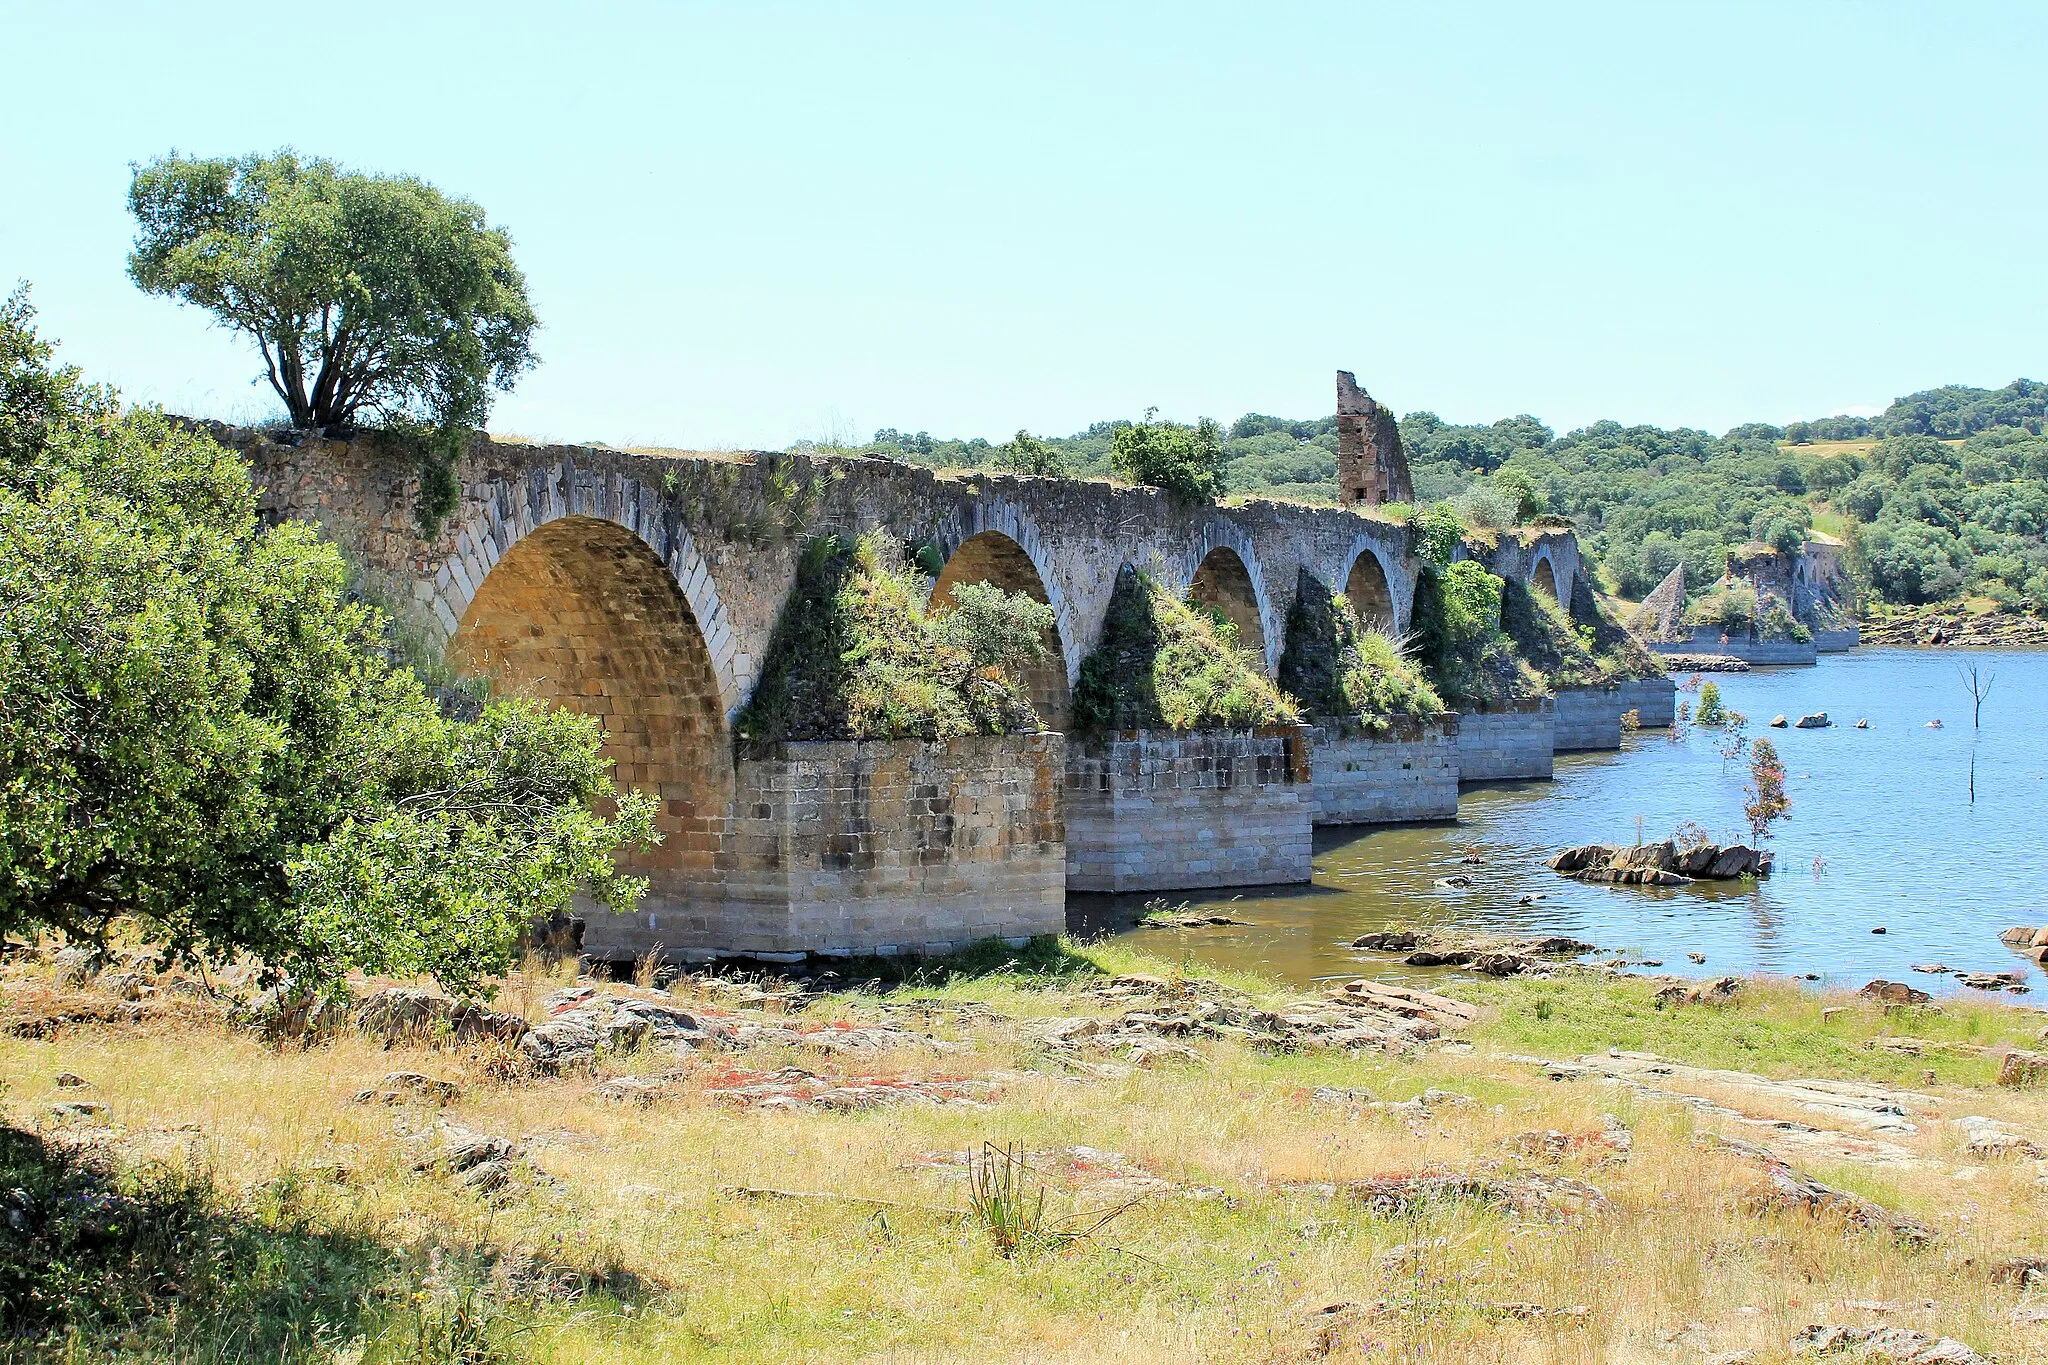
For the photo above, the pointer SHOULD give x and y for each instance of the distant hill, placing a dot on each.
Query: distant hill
(1943, 493)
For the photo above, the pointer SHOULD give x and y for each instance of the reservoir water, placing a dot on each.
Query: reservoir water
(1883, 833)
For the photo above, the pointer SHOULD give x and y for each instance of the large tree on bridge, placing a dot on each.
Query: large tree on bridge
(375, 300)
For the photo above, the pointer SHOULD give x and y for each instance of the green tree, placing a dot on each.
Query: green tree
(1187, 460)
(375, 300)
(1026, 454)
(198, 728)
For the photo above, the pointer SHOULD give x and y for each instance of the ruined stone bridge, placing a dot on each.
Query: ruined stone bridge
(643, 588)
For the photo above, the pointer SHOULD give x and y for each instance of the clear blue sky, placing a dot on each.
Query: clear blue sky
(749, 223)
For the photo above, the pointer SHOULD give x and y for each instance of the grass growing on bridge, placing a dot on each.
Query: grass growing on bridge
(1164, 664)
(1336, 667)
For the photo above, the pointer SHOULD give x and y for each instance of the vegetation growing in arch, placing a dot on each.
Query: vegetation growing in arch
(1458, 638)
(857, 655)
(1336, 667)
(1164, 664)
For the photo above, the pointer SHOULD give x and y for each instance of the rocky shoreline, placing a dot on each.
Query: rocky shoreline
(1956, 628)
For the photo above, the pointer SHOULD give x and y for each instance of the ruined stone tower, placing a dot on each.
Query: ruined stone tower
(1370, 466)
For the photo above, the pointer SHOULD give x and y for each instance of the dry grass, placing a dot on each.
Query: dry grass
(1232, 1263)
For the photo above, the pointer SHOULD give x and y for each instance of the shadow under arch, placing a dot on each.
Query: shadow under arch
(582, 613)
(1223, 583)
(1543, 578)
(996, 557)
(1370, 595)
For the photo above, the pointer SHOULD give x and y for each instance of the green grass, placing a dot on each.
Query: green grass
(1774, 1029)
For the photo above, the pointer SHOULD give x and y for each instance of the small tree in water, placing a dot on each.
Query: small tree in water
(1765, 798)
(1710, 713)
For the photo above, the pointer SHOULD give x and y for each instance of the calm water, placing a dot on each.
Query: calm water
(1885, 811)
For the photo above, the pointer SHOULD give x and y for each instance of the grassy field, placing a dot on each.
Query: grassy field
(232, 1199)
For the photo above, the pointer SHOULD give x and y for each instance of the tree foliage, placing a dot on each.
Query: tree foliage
(375, 300)
(198, 728)
(1187, 460)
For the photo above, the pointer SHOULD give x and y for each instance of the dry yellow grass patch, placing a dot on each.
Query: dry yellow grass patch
(1231, 1257)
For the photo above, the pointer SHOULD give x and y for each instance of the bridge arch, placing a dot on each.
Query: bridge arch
(999, 558)
(1369, 587)
(1012, 523)
(1223, 572)
(1543, 575)
(581, 612)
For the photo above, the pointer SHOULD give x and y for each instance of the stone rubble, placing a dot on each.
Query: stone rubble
(1897, 1345)
(1786, 1189)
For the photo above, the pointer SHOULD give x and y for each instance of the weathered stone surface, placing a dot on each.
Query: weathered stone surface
(1162, 811)
(1659, 864)
(1894, 1345)
(1817, 721)
(1787, 1189)
(1894, 993)
(1407, 770)
(2023, 1068)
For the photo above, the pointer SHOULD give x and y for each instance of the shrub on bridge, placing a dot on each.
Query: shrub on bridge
(857, 655)
(1164, 664)
(199, 731)
(1622, 656)
(1336, 667)
(1547, 640)
(1457, 636)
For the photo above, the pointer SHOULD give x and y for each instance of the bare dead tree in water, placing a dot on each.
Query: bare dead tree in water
(1980, 688)
(1979, 685)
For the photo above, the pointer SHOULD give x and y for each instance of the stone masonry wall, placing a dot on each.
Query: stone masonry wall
(1512, 741)
(1587, 718)
(1654, 700)
(1408, 773)
(1160, 811)
(1837, 641)
(1709, 640)
(874, 846)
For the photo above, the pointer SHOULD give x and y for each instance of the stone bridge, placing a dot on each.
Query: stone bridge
(643, 588)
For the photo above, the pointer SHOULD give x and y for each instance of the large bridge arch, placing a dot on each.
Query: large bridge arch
(580, 612)
(1543, 577)
(514, 509)
(1222, 571)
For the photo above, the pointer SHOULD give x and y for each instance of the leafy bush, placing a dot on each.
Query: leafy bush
(1457, 636)
(1181, 459)
(200, 730)
(1774, 621)
(1434, 534)
(1622, 656)
(1487, 507)
(1164, 664)
(1335, 667)
(857, 655)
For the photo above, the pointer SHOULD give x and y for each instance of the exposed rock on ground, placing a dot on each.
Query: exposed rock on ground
(1896, 1345)
(1660, 864)
(1490, 955)
(1789, 1190)
(1894, 993)
(793, 1088)
(1531, 1196)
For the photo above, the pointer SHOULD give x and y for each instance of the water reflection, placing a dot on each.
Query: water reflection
(1887, 809)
